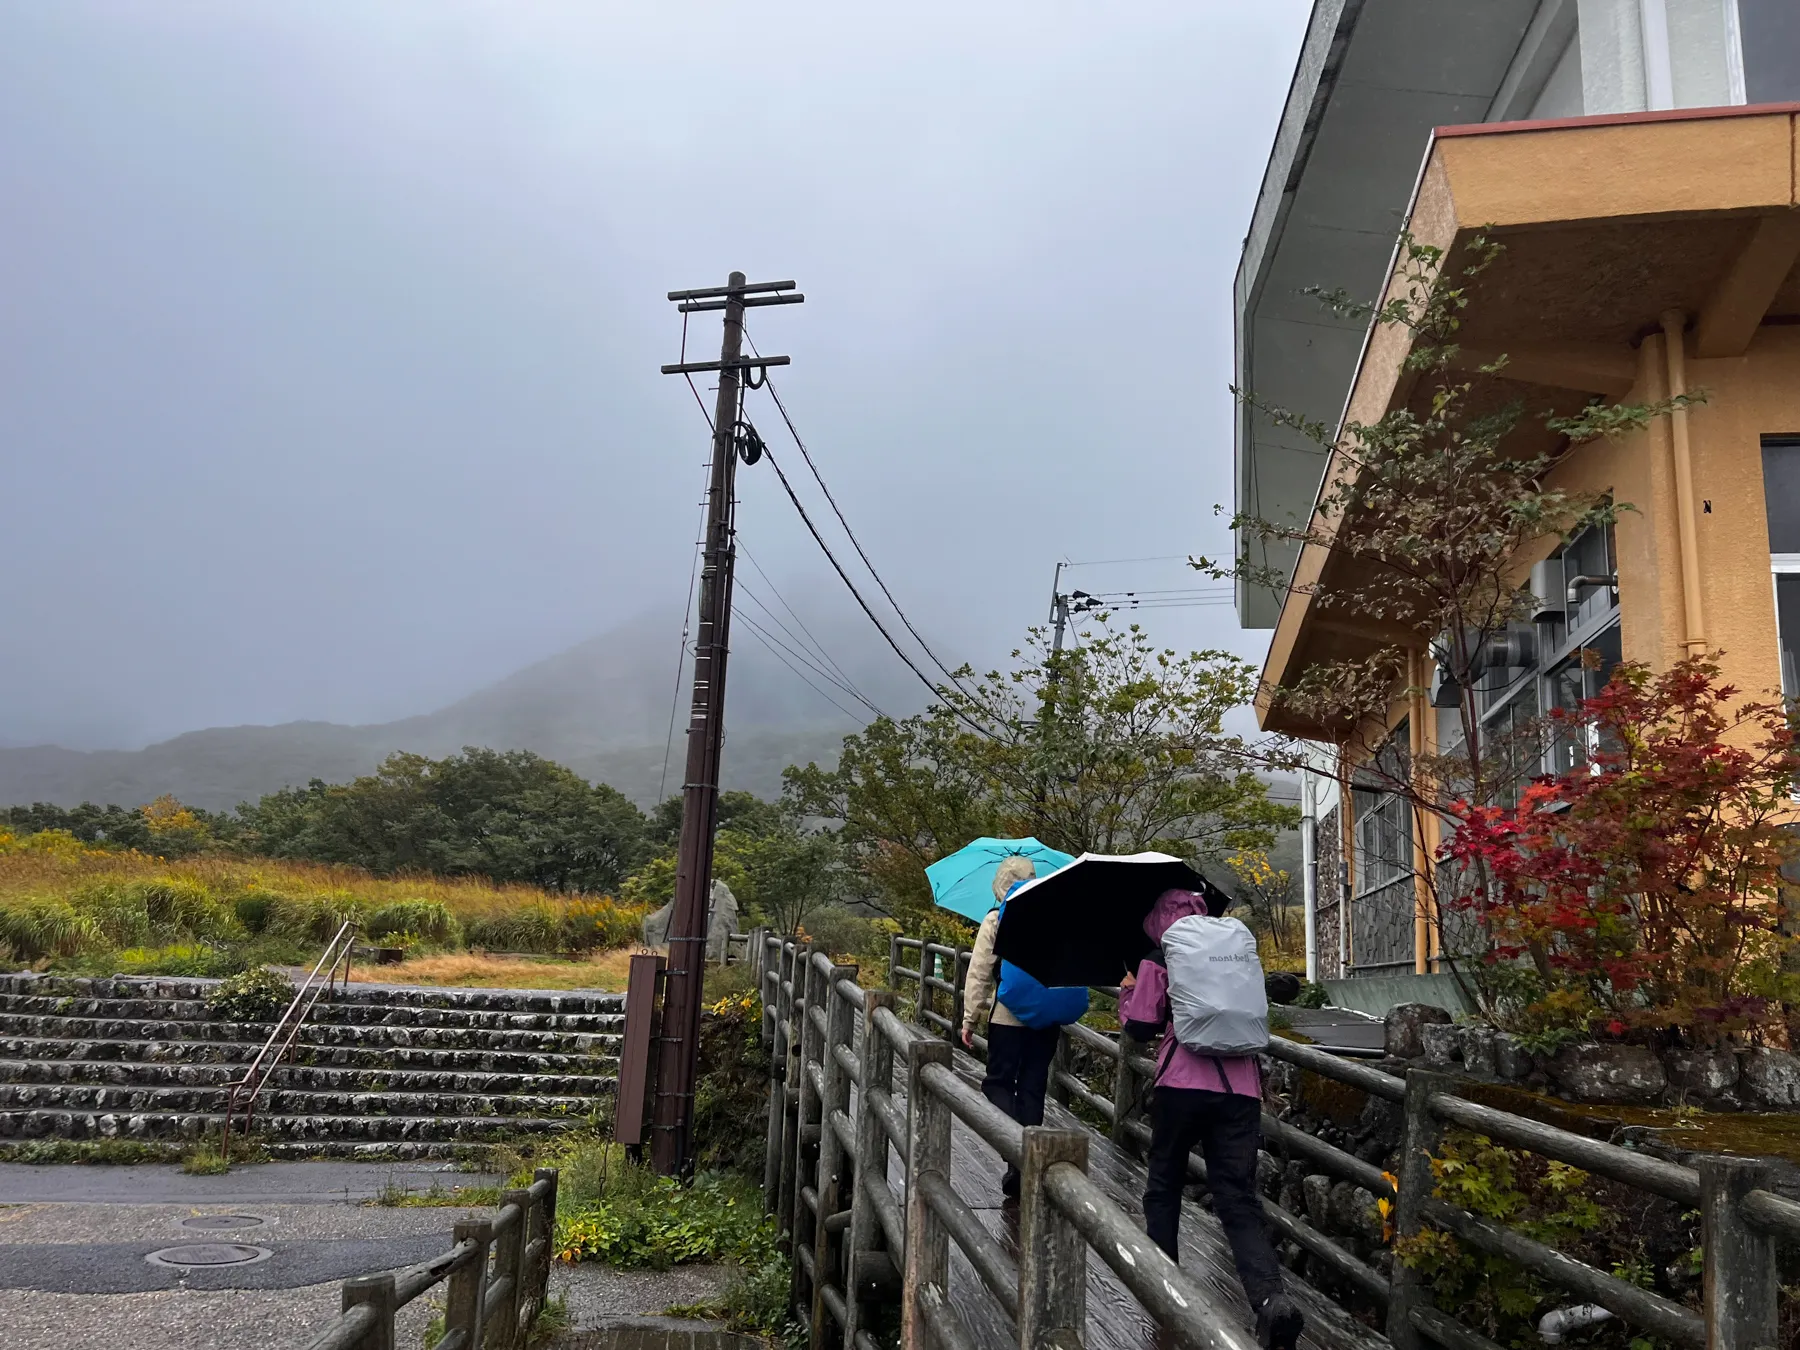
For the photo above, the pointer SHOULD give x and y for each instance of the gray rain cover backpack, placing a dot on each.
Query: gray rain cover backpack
(1216, 990)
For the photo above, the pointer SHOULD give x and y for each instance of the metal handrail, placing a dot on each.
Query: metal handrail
(245, 1090)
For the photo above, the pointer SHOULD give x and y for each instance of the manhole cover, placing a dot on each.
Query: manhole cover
(209, 1254)
(212, 1223)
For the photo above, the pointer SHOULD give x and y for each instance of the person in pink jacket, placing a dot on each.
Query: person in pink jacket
(1213, 1102)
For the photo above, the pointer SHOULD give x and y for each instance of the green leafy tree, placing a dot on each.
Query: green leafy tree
(507, 815)
(779, 865)
(1114, 746)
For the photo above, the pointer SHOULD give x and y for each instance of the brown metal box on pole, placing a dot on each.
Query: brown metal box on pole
(641, 1017)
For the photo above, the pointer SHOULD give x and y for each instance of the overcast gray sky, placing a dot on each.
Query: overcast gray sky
(329, 333)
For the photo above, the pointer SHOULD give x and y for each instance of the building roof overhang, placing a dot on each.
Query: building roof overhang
(1607, 223)
(1372, 81)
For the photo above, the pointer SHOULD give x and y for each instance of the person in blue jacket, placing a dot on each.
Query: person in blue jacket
(1025, 1021)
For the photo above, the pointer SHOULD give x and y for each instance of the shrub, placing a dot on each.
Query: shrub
(182, 908)
(643, 1219)
(427, 920)
(194, 960)
(590, 925)
(310, 918)
(259, 995)
(1641, 889)
(529, 928)
(252, 909)
(843, 932)
(39, 926)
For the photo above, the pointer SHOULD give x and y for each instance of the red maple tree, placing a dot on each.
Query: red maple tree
(1641, 889)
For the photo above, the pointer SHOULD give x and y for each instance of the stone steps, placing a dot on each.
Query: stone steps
(180, 1127)
(391, 1058)
(325, 1013)
(313, 1034)
(374, 1072)
(301, 1077)
(191, 990)
(283, 1101)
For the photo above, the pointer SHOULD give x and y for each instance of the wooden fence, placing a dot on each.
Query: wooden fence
(827, 1177)
(491, 1303)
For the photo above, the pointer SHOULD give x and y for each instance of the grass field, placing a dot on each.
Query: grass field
(68, 905)
(476, 970)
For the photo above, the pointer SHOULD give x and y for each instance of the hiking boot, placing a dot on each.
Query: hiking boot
(1278, 1323)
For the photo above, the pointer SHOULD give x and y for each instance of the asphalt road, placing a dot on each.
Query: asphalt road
(322, 1182)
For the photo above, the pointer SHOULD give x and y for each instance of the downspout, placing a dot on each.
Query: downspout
(1309, 871)
(1415, 727)
(1674, 324)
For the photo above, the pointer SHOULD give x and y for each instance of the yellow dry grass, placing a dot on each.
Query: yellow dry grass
(40, 871)
(605, 971)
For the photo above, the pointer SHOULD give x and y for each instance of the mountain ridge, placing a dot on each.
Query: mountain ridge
(602, 707)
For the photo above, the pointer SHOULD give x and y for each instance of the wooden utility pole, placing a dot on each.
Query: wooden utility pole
(672, 1120)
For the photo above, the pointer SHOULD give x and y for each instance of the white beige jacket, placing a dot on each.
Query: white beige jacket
(984, 979)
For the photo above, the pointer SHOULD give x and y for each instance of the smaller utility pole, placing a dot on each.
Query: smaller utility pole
(1059, 614)
(672, 1120)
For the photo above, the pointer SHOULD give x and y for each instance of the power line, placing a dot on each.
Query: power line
(855, 594)
(757, 633)
(775, 590)
(1111, 562)
(854, 541)
(801, 656)
(687, 616)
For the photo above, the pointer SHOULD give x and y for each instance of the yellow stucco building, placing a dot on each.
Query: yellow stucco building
(1648, 250)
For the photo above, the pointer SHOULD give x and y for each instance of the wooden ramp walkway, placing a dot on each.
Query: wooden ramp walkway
(1115, 1319)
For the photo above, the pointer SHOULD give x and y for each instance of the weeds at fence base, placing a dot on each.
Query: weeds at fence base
(394, 1194)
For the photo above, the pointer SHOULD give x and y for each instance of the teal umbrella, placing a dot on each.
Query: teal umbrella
(963, 883)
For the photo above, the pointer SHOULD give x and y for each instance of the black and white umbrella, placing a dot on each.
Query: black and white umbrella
(1084, 923)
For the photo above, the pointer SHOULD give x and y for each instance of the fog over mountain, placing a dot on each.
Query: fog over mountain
(330, 340)
(602, 707)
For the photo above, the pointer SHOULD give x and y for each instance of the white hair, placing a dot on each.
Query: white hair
(1013, 869)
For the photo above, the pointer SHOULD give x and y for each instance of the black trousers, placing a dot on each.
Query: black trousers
(1227, 1128)
(1018, 1070)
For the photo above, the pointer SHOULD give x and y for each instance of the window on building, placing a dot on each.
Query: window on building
(1770, 32)
(1781, 496)
(1383, 903)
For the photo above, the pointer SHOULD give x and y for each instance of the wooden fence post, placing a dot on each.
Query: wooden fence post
(503, 1315)
(928, 1123)
(893, 960)
(1126, 1096)
(1742, 1284)
(465, 1305)
(927, 995)
(777, 1082)
(1061, 1061)
(377, 1291)
(959, 972)
(840, 1021)
(806, 1101)
(755, 950)
(1424, 1132)
(793, 1073)
(1052, 1252)
(544, 1224)
(875, 1055)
